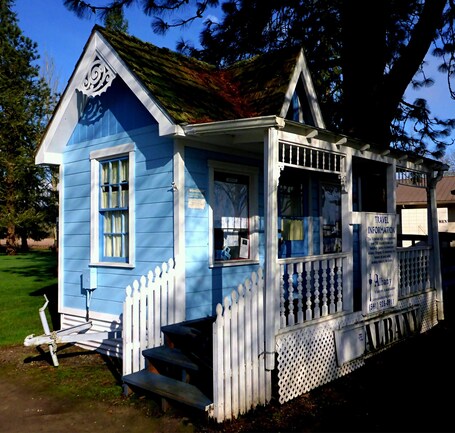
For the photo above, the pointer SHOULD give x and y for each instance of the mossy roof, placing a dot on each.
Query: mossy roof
(191, 91)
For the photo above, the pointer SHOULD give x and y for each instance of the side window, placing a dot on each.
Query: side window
(114, 209)
(233, 209)
(112, 206)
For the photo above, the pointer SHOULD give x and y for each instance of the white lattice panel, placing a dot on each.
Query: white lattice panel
(307, 356)
(307, 359)
(428, 308)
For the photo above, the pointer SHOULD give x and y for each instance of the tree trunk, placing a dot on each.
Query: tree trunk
(24, 244)
(11, 246)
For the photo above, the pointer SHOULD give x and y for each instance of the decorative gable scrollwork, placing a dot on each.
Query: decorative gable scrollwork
(98, 78)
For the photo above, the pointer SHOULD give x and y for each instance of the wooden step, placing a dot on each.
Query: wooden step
(183, 337)
(181, 330)
(171, 356)
(168, 388)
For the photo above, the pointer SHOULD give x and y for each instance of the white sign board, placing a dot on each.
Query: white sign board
(379, 256)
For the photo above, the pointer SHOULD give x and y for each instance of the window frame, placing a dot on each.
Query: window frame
(96, 242)
(252, 174)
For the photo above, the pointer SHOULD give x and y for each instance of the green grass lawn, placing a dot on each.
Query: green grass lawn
(24, 279)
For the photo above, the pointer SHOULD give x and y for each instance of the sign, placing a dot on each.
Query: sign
(355, 341)
(196, 199)
(380, 267)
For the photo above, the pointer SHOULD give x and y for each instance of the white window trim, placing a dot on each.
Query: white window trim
(95, 157)
(253, 210)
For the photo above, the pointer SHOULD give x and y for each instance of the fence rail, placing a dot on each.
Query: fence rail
(241, 381)
(149, 304)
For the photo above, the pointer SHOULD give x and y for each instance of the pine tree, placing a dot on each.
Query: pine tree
(363, 55)
(114, 19)
(26, 201)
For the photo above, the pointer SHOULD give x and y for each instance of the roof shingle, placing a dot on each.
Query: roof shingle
(191, 91)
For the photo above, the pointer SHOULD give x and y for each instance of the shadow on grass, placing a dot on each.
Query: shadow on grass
(71, 351)
(40, 265)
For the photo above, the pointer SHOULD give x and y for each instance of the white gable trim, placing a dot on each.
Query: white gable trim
(72, 103)
(98, 78)
(301, 71)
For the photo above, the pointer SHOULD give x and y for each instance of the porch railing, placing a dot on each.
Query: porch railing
(311, 287)
(414, 270)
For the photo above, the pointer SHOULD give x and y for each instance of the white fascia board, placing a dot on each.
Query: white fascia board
(72, 102)
(50, 158)
(234, 126)
(301, 70)
(68, 111)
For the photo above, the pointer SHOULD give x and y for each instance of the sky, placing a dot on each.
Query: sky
(61, 37)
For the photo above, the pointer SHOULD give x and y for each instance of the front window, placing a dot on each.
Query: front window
(233, 237)
(331, 217)
(309, 214)
(295, 229)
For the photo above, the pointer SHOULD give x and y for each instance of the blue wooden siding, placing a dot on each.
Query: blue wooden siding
(205, 286)
(114, 112)
(116, 117)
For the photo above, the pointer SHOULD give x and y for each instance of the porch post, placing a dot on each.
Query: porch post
(271, 174)
(179, 230)
(434, 241)
(347, 233)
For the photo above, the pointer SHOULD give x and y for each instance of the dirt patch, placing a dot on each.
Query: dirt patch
(403, 389)
(83, 394)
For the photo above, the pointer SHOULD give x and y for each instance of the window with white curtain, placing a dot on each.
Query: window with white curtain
(112, 205)
(114, 210)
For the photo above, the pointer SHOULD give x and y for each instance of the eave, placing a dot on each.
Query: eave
(236, 126)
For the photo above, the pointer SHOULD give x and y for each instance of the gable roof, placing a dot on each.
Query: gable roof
(409, 195)
(192, 91)
(179, 90)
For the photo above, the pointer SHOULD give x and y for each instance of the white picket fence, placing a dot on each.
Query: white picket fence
(241, 381)
(149, 305)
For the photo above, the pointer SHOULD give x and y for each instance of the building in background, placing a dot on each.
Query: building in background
(413, 211)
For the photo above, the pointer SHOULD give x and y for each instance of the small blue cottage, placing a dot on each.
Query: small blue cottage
(210, 216)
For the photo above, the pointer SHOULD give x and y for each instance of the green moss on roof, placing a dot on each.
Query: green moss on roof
(191, 91)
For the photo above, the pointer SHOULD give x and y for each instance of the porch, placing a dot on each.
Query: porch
(306, 352)
(333, 270)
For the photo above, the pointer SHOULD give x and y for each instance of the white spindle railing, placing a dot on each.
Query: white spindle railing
(311, 287)
(414, 270)
(311, 158)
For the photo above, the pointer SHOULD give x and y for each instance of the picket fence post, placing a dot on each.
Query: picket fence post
(149, 304)
(241, 381)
